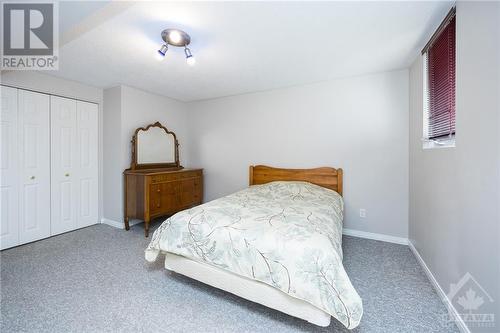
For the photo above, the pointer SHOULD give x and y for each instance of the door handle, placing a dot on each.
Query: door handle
(32, 177)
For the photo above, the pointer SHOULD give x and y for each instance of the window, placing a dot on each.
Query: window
(439, 86)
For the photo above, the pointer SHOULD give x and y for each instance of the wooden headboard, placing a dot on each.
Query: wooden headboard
(326, 177)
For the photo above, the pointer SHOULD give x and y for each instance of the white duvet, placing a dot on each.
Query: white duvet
(285, 234)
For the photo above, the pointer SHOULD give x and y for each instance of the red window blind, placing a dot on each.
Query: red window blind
(441, 83)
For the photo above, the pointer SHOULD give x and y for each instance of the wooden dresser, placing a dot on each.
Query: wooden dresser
(151, 193)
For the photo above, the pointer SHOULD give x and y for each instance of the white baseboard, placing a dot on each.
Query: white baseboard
(371, 235)
(119, 225)
(449, 306)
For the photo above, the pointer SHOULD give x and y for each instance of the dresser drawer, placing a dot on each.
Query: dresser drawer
(189, 185)
(163, 197)
(190, 198)
(190, 174)
(154, 198)
(165, 178)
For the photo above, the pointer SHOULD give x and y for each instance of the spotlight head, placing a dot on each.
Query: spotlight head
(161, 52)
(191, 61)
(189, 57)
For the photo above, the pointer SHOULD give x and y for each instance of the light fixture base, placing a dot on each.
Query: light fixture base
(183, 41)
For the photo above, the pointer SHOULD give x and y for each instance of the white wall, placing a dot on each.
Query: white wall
(112, 169)
(350, 123)
(126, 109)
(48, 84)
(454, 193)
(140, 108)
(359, 124)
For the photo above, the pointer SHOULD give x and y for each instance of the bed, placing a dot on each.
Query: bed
(277, 243)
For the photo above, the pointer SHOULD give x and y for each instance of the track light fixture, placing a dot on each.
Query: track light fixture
(179, 38)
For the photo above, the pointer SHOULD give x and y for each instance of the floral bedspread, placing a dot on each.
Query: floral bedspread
(285, 234)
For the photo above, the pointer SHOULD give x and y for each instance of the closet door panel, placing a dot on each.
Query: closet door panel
(34, 162)
(9, 224)
(64, 165)
(87, 124)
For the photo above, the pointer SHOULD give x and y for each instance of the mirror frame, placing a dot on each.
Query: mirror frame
(134, 165)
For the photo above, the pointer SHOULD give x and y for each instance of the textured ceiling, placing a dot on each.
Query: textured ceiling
(241, 47)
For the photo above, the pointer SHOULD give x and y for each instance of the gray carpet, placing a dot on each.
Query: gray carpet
(96, 280)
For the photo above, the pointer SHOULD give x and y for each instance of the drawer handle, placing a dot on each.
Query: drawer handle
(158, 205)
(66, 175)
(32, 177)
(158, 190)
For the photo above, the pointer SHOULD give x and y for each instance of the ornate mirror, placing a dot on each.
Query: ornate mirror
(154, 146)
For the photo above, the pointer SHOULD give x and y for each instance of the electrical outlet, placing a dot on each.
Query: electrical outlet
(362, 213)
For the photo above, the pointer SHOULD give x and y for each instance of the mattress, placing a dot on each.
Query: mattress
(249, 289)
(286, 235)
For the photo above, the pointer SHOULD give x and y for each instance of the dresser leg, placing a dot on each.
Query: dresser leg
(146, 228)
(127, 226)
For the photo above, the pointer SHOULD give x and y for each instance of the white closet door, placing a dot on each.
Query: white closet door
(9, 226)
(34, 166)
(64, 165)
(87, 116)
